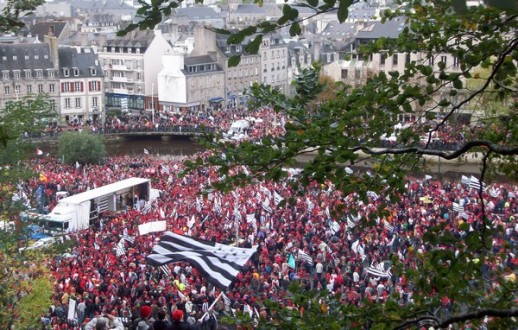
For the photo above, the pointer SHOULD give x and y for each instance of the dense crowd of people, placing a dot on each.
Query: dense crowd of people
(330, 253)
(121, 287)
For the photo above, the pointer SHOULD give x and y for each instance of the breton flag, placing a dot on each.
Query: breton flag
(380, 270)
(219, 263)
(146, 152)
(120, 250)
(127, 237)
(277, 198)
(226, 299)
(458, 208)
(476, 184)
(303, 256)
(166, 270)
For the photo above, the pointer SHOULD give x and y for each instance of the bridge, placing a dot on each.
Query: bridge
(177, 130)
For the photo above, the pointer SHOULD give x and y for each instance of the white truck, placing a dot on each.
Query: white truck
(82, 210)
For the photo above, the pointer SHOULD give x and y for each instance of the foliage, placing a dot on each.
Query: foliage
(348, 128)
(81, 147)
(26, 115)
(12, 11)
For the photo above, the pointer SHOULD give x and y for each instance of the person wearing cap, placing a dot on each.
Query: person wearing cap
(179, 324)
(144, 322)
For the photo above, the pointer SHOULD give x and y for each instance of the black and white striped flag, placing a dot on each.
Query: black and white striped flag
(476, 184)
(457, 207)
(226, 299)
(303, 256)
(380, 270)
(277, 198)
(127, 237)
(219, 263)
(166, 270)
(120, 250)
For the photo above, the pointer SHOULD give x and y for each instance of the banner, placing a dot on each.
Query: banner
(152, 227)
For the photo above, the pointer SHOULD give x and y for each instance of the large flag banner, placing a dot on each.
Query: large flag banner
(219, 263)
(380, 270)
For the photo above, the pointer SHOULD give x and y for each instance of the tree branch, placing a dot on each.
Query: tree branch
(495, 148)
(478, 315)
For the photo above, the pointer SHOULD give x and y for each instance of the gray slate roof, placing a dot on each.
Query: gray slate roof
(197, 13)
(42, 29)
(137, 39)
(81, 58)
(24, 57)
(376, 29)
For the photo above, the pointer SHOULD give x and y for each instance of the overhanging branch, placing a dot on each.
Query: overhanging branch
(489, 146)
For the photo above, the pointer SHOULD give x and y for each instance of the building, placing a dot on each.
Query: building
(28, 69)
(274, 62)
(237, 78)
(58, 29)
(81, 84)
(190, 83)
(299, 57)
(131, 65)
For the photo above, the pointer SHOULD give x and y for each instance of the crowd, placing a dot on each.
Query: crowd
(331, 253)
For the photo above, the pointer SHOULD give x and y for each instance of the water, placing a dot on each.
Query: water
(176, 146)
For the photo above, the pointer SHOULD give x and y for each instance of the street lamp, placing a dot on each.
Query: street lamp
(153, 102)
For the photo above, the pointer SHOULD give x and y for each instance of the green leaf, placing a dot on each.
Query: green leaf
(295, 29)
(312, 3)
(253, 46)
(457, 84)
(221, 31)
(234, 61)
(343, 10)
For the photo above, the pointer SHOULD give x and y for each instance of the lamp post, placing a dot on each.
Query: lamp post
(153, 102)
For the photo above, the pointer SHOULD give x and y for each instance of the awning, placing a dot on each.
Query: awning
(216, 99)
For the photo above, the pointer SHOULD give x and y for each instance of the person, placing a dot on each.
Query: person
(144, 322)
(179, 324)
(104, 322)
(161, 323)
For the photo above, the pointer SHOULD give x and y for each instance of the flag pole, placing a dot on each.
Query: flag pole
(211, 306)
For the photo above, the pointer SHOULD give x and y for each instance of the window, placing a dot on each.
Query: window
(77, 87)
(76, 72)
(5, 75)
(443, 59)
(95, 101)
(431, 60)
(51, 73)
(67, 103)
(345, 73)
(15, 58)
(52, 105)
(65, 87)
(407, 58)
(456, 62)
(95, 86)
(6, 90)
(265, 55)
(238, 48)
(93, 71)
(66, 73)
(394, 59)
(139, 76)
(17, 89)
(16, 74)
(78, 102)
(39, 73)
(28, 74)
(52, 88)
(29, 89)
(40, 88)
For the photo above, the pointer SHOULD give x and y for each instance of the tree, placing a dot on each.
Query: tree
(83, 148)
(26, 115)
(344, 130)
(12, 11)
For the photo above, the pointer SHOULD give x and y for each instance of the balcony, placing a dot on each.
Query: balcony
(120, 79)
(120, 91)
(121, 67)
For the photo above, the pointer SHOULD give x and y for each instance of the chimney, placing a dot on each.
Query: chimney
(84, 39)
(53, 45)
